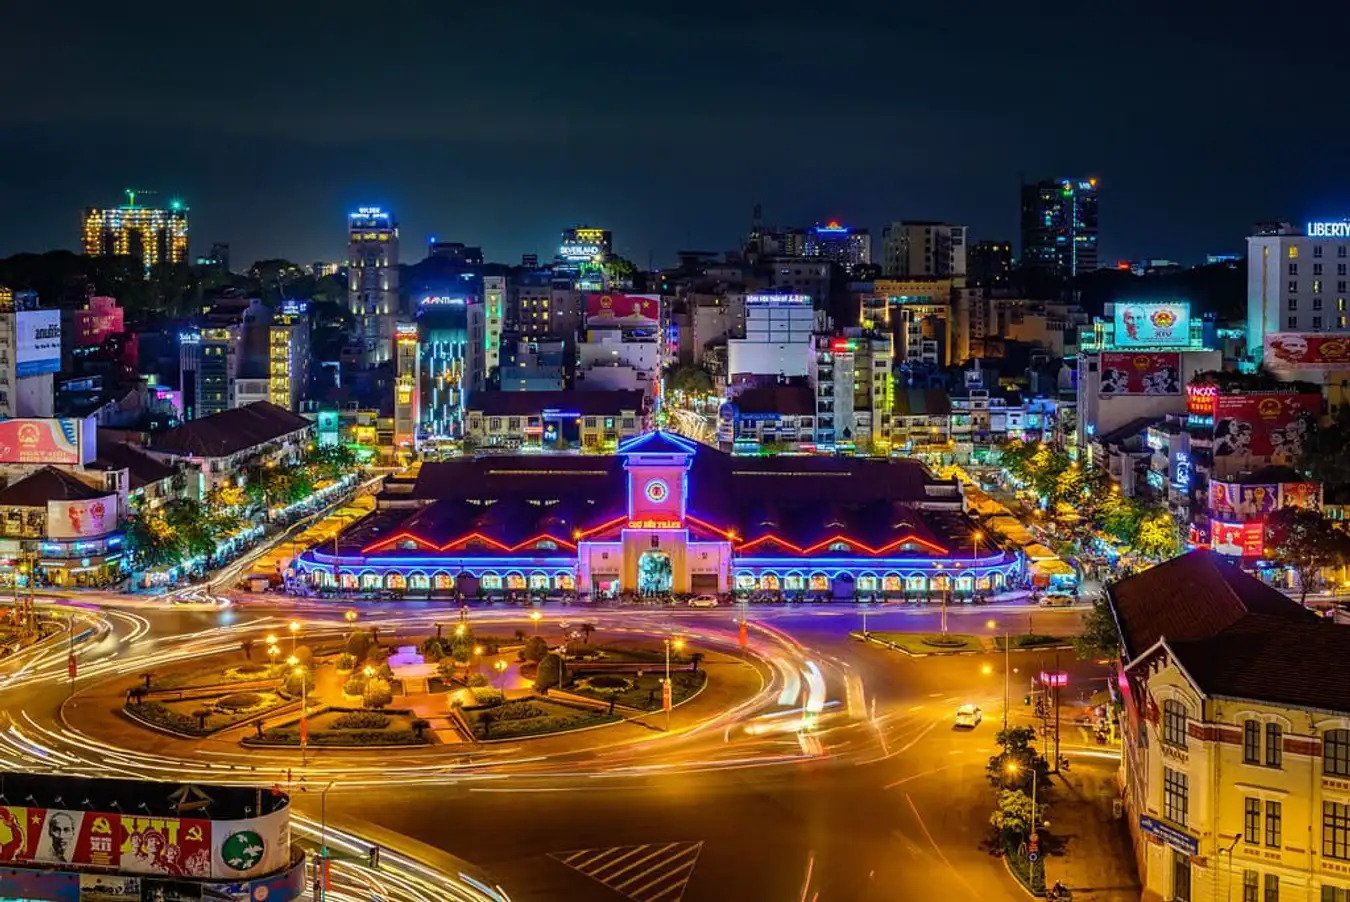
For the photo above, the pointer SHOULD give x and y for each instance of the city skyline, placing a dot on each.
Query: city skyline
(666, 146)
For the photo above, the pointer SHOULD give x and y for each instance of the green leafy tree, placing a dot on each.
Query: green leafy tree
(690, 379)
(377, 693)
(1017, 760)
(1324, 459)
(1158, 536)
(535, 649)
(1306, 541)
(1100, 638)
(1013, 816)
(550, 673)
(150, 541)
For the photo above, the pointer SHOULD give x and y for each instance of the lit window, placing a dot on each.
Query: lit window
(1274, 745)
(1174, 723)
(1293, 252)
(1176, 796)
(1336, 753)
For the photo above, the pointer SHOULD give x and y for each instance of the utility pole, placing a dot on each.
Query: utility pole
(1057, 682)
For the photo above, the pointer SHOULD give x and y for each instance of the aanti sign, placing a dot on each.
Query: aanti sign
(1237, 539)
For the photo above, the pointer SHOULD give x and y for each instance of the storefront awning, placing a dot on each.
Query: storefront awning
(1038, 552)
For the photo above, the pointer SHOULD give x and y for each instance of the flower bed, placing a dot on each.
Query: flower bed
(348, 727)
(525, 718)
(224, 712)
(642, 693)
(247, 672)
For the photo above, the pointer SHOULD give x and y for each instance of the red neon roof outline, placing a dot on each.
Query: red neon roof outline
(854, 543)
(724, 533)
(464, 540)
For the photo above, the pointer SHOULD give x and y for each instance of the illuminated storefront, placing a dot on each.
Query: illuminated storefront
(665, 515)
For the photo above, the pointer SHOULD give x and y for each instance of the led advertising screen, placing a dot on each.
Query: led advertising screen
(38, 342)
(621, 306)
(81, 519)
(1140, 373)
(1237, 539)
(1152, 324)
(1240, 500)
(1306, 351)
(1264, 424)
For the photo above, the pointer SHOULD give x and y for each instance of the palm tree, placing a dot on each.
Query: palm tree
(420, 726)
(247, 647)
(485, 721)
(201, 714)
(586, 630)
(695, 659)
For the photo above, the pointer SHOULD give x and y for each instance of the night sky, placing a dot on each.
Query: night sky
(501, 123)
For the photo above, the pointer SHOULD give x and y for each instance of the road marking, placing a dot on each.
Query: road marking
(651, 872)
(938, 849)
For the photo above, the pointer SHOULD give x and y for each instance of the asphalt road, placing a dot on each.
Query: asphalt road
(884, 800)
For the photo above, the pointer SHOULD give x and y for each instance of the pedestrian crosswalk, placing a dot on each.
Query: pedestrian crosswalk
(652, 872)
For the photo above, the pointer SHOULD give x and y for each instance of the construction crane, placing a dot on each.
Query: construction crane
(132, 192)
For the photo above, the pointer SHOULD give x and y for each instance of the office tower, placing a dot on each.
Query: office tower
(917, 249)
(288, 355)
(30, 353)
(372, 281)
(845, 245)
(777, 343)
(449, 364)
(494, 318)
(990, 266)
(854, 391)
(150, 235)
(1059, 227)
(406, 388)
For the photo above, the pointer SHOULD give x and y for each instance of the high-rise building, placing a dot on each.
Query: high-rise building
(989, 266)
(494, 319)
(288, 355)
(450, 354)
(916, 249)
(1297, 285)
(777, 342)
(372, 281)
(210, 356)
(149, 234)
(845, 245)
(407, 391)
(1059, 227)
(851, 374)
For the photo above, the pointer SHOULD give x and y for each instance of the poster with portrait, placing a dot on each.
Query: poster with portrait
(1264, 424)
(109, 888)
(1140, 373)
(172, 846)
(1237, 539)
(1222, 499)
(59, 838)
(1257, 501)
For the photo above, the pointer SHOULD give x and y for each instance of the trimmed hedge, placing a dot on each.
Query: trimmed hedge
(361, 720)
(155, 713)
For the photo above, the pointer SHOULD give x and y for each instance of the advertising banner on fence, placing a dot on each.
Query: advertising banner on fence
(1264, 424)
(38, 341)
(1306, 351)
(250, 847)
(75, 837)
(18, 833)
(161, 889)
(1237, 539)
(47, 886)
(1152, 324)
(81, 519)
(176, 847)
(40, 441)
(1140, 373)
(108, 888)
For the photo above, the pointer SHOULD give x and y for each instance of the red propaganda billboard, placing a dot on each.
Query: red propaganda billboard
(1238, 500)
(1264, 424)
(171, 846)
(1237, 539)
(1306, 351)
(1144, 373)
(622, 306)
(40, 441)
(81, 519)
(1307, 495)
(74, 837)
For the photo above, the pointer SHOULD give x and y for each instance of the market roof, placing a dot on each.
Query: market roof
(142, 469)
(791, 400)
(580, 403)
(49, 484)
(230, 431)
(1234, 635)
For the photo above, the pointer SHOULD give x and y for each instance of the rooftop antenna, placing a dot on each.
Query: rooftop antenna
(131, 195)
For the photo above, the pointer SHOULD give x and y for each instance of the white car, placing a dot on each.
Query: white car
(703, 601)
(1059, 598)
(969, 716)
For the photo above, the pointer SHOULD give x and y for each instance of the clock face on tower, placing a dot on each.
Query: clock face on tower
(656, 491)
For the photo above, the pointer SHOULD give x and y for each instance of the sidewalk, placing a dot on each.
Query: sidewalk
(1089, 849)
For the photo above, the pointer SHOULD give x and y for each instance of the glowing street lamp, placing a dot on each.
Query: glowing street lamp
(668, 701)
(500, 667)
(294, 627)
(304, 705)
(350, 616)
(536, 617)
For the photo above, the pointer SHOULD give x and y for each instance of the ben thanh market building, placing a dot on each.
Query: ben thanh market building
(666, 515)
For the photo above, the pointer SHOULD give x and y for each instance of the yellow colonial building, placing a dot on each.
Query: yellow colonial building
(1236, 737)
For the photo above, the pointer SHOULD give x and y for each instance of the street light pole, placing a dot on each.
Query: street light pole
(667, 689)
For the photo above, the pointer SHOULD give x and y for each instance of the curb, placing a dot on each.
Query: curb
(870, 637)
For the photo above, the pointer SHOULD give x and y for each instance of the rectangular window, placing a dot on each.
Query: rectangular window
(1335, 894)
(1274, 824)
(1317, 322)
(1293, 269)
(1340, 250)
(1292, 303)
(1181, 877)
(1340, 269)
(1317, 267)
(1176, 796)
(1251, 886)
(1275, 736)
(1251, 820)
(1317, 250)
(1340, 286)
(1272, 888)
(1174, 723)
(1317, 286)
(1293, 286)
(1317, 303)
(1336, 753)
(1293, 322)
(1336, 830)
(1251, 742)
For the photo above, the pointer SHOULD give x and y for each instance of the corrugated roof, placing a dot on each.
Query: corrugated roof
(142, 469)
(230, 431)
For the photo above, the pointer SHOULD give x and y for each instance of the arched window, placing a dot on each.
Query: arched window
(491, 581)
(867, 582)
(395, 580)
(794, 581)
(370, 580)
(418, 581)
(565, 581)
(840, 546)
(546, 545)
(515, 581)
(442, 581)
(916, 582)
(538, 581)
(820, 582)
(769, 582)
(891, 583)
(745, 580)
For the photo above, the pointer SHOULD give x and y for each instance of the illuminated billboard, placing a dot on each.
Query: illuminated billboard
(1306, 351)
(41, 441)
(1140, 373)
(1264, 424)
(37, 342)
(1237, 539)
(1152, 324)
(81, 519)
(619, 306)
